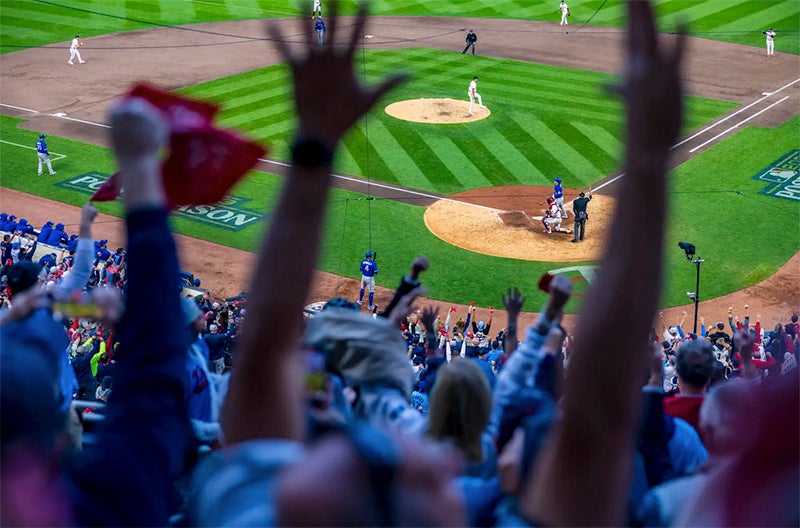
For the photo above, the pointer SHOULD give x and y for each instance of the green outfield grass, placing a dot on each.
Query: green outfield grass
(743, 237)
(546, 121)
(27, 23)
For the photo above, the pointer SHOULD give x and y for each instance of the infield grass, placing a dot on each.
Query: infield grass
(28, 23)
(744, 237)
(546, 121)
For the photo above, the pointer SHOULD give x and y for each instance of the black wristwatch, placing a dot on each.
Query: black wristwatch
(311, 153)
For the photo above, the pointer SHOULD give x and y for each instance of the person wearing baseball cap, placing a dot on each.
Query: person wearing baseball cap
(43, 154)
(369, 268)
(73, 50)
(473, 94)
(558, 195)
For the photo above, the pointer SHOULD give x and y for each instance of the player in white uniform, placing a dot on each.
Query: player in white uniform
(73, 50)
(564, 8)
(473, 94)
(552, 218)
(770, 42)
(317, 12)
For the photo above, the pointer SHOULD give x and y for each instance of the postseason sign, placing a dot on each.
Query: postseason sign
(229, 214)
(782, 177)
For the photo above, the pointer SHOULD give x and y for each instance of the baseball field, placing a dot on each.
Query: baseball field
(445, 190)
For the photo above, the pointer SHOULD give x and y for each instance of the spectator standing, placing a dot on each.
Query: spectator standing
(694, 368)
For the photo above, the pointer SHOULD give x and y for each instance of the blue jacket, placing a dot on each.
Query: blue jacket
(24, 226)
(146, 433)
(3, 221)
(558, 191)
(41, 147)
(57, 235)
(44, 233)
(11, 225)
(72, 243)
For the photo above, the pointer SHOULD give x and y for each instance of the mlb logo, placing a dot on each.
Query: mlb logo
(778, 175)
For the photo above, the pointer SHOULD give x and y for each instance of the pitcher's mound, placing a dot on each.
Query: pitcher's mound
(438, 111)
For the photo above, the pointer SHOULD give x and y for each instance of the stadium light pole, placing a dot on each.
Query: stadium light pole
(690, 251)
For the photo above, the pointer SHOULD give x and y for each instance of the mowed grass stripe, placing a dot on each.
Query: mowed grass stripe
(514, 162)
(602, 138)
(590, 151)
(732, 11)
(773, 12)
(369, 162)
(526, 147)
(269, 128)
(547, 162)
(577, 165)
(458, 163)
(396, 156)
(484, 158)
(425, 158)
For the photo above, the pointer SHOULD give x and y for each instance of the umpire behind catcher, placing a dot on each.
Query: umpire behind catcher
(579, 210)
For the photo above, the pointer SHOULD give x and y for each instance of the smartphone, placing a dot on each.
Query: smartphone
(73, 309)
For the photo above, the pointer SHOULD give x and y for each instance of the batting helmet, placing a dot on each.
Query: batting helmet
(42, 136)
(369, 254)
(557, 180)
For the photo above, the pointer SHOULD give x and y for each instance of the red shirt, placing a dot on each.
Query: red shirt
(686, 407)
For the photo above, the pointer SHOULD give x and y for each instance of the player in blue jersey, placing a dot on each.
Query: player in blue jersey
(319, 27)
(44, 155)
(369, 268)
(558, 195)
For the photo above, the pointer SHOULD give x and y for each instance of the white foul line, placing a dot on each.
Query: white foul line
(734, 114)
(738, 124)
(19, 108)
(60, 156)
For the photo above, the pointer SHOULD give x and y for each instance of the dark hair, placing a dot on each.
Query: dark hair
(695, 363)
(794, 318)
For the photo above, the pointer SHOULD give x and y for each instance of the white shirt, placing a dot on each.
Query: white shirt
(563, 8)
(317, 4)
(75, 43)
(770, 35)
(473, 87)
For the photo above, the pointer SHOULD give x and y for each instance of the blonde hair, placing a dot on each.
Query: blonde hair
(459, 406)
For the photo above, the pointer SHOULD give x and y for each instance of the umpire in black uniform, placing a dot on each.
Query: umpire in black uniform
(579, 210)
(472, 38)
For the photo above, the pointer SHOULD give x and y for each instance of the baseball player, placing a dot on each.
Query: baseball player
(564, 8)
(317, 11)
(319, 27)
(770, 42)
(472, 38)
(369, 268)
(44, 155)
(552, 218)
(558, 196)
(73, 50)
(473, 94)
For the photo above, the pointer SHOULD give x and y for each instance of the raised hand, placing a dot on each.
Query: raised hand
(329, 98)
(513, 301)
(560, 291)
(428, 318)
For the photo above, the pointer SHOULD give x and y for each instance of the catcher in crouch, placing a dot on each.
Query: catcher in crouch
(552, 218)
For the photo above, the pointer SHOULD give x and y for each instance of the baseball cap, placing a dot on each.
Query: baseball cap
(42, 136)
(475, 77)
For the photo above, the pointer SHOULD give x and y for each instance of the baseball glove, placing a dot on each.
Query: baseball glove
(569, 13)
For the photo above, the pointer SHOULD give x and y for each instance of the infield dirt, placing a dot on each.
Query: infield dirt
(173, 58)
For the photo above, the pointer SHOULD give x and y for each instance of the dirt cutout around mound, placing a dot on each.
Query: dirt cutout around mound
(436, 111)
(506, 222)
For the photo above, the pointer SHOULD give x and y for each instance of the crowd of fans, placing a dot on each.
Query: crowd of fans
(397, 418)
